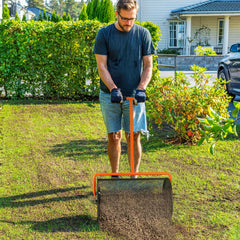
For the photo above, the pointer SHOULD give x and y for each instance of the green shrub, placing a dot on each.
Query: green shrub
(52, 60)
(169, 51)
(68, 17)
(40, 18)
(17, 17)
(174, 102)
(24, 18)
(44, 15)
(64, 16)
(154, 30)
(83, 14)
(199, 50)
(5, 12)
(156, 34)
(215, 127)
(53, 16)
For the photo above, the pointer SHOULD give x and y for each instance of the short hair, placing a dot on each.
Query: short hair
(127, 5)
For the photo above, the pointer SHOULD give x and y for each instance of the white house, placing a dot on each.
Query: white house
(19, 6)
(185, 24)
(1, 8)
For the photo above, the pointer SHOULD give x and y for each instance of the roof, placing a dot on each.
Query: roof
(36, 11)
(211, 6)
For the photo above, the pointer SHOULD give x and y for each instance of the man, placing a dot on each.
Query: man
(123, 53)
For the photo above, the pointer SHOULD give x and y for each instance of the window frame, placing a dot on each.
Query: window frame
(220, 34)
(176, 28)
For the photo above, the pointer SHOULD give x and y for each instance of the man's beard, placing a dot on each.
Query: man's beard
(124, 29)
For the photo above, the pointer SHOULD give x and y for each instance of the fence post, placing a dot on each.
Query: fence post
(169, 66)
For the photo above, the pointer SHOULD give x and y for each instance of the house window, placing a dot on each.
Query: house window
(176, 32)
(220, 31)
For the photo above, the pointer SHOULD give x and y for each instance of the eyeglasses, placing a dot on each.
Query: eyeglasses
(126, 19)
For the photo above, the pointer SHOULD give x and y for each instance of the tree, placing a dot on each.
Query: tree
(57, 18)
(106, 11)
(89, 9)
(64, 17)
(53, 17)
(101, 11)
(53, 5)
(109, 15)
(95, 9)
(44, 15)
(58, 6)
(17, 17)
(24, 18)
(40, 16)
(36, 3)
(83, 15)
(68, 6)
(5, 14)
(75, 11)
(68, 17)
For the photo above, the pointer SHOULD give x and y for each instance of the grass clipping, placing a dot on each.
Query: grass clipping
(136, 213)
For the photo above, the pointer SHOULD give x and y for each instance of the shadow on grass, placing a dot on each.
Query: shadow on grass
(81, 223)
(31, 101)
(78, 148)
(27, 199)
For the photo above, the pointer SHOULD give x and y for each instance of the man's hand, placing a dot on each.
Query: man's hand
(116, 95)
(140, 95)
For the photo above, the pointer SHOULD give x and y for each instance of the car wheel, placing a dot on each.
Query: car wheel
(223, 76)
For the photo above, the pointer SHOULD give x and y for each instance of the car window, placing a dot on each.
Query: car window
(235, 48)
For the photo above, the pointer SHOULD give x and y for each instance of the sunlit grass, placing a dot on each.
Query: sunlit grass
(49, 153)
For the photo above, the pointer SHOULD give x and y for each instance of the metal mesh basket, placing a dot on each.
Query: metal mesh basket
(132, 205)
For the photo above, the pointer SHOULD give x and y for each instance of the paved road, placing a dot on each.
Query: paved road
(213, 77)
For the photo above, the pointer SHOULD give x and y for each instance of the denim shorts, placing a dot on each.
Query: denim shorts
(117, 117)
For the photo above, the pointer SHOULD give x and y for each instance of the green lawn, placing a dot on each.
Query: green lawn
(49, 153)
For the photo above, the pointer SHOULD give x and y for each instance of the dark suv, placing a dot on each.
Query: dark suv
(229, 69)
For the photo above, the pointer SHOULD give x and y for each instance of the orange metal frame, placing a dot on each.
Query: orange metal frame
(131, 99)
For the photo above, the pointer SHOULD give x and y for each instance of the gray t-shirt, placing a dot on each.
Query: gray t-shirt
(125, 51)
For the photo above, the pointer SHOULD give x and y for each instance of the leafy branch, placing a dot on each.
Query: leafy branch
(216, 127)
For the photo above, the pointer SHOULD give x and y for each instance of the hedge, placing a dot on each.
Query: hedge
(51, 60)
(48, 59)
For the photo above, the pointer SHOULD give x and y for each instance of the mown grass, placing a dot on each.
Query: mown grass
(49, 152)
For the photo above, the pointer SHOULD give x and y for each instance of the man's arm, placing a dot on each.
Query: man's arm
(147, 72)
(103, 71)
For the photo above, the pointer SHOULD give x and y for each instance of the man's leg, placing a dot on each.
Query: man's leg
(112, 116)
(137, 150)
(114, 150)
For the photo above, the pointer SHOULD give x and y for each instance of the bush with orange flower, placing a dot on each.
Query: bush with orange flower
(174, 102)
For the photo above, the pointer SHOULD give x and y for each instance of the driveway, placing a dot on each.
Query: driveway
(188, 75)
